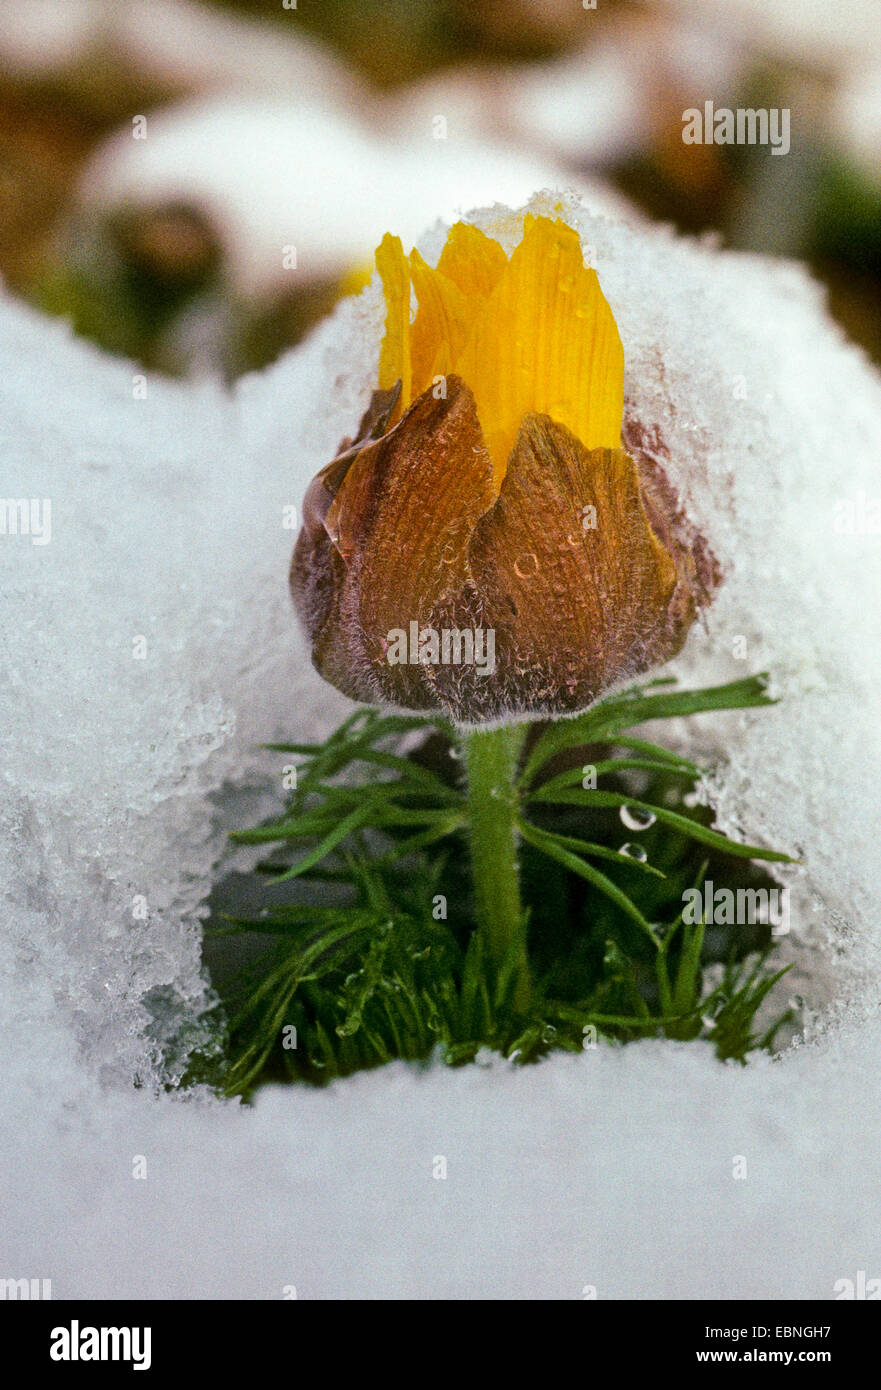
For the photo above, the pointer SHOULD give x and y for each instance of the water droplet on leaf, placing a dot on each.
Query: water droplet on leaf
(635, 818)
(633, 852)
(526, 565)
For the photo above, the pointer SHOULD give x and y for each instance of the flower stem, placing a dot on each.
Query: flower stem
(491, 759)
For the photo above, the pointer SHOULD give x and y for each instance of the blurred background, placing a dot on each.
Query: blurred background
(194, 183)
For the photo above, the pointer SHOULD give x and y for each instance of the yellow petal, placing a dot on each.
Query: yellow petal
(546, 342)
(394, 356)
(355, 279)
(440, 328)
(472, 260)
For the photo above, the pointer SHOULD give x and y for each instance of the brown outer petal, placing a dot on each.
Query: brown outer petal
(694, 558)
(399, 525)
(317, 575)
(575, 608)
(414, 533)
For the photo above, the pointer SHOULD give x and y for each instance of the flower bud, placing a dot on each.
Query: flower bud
(485, 547)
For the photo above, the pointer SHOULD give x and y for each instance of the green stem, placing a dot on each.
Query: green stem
(491, 757)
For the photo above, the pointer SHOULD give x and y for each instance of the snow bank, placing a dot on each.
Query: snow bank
(269, 174)
(148, 647)
(649, 1171)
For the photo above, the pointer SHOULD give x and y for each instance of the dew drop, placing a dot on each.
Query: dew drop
(526, 565)
(448, 555)
(633, 852)
(635, 818)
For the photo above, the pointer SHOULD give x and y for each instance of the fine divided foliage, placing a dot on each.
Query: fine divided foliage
(367, 951)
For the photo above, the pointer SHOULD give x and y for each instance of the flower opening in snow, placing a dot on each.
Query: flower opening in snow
(487, 493)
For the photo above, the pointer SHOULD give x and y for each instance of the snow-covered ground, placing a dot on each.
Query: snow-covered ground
(643, 1172)
(148, 647)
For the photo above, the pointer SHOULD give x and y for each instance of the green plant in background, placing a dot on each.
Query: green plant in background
(475, 893)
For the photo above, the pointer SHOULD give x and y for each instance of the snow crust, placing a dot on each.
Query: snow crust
(120, 775)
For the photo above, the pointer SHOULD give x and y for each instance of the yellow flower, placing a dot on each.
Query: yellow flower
(530, 335)
(485, 546)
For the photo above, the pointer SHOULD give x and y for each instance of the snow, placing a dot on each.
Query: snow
(270, 174)
(611, 100)
(178, 44)
(806, 33)
(614, 1169)
(119, 777)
